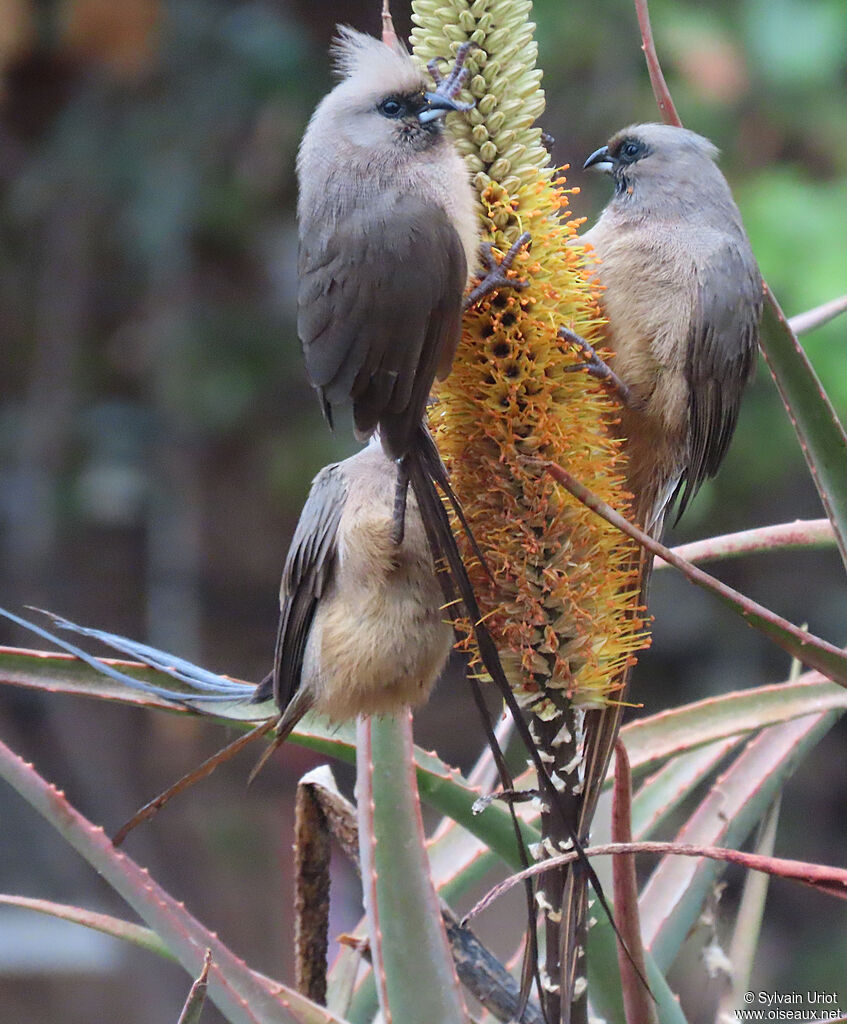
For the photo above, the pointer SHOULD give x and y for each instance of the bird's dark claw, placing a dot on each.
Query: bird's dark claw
(449, 86)
(596, 366)
(496, 276)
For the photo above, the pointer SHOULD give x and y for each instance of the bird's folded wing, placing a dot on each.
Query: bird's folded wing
(308, 569)
(379, 311)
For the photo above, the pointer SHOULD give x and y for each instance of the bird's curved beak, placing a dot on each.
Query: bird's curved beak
(437, 105)
(600, 159)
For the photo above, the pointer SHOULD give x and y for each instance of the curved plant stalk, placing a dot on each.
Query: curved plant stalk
(128, 931)
(806, 647)
(820, 432)
(414, 971)
(808, 534)
(821, 877)
(639, 1004)
(803, 323)
(664, 101)
(673, 897)
(748, 920)
(565, 611)
(241, 995)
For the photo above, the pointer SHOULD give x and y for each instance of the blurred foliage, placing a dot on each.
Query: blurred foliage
(157, 433)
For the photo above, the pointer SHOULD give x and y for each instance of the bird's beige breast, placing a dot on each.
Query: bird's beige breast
(649, 288)
(380, 637)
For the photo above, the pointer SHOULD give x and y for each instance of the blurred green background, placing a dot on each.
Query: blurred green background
(158, 435)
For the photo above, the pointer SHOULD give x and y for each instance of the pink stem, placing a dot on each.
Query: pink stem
(657, 79)
(639, 1007)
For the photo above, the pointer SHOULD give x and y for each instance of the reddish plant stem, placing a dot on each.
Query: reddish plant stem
(822, 877)
(639, 1005)
(811, 650)
(802, 533)
(657, 78)
(817, 317)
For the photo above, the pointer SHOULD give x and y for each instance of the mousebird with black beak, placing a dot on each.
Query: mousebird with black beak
(683, 298)
(388, 238)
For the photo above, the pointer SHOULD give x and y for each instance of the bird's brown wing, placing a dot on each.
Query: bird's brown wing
(379, 312)
(723, 336)
(308, 569)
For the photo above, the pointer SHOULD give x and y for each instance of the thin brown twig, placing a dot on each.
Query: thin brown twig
(195, 775)
(817, 653)
(639, 1004)
(822, 877)
(389, 36)
(654, 69)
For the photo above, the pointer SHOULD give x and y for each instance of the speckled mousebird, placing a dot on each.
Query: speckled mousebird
(683, 297)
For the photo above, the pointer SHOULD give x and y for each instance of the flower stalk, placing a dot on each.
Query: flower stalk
(565, 608)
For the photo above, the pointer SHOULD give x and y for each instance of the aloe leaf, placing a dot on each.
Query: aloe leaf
(415, 976)
(650, 741)
(440, 785)
(809, 535)
(364, 1007)
(802, 323)
(604, 980)
(821, 435)
(63, 673)
(242, 996)
(660, 795)
(748, 920)
(673, 896)
(128, 931)
(204, 687)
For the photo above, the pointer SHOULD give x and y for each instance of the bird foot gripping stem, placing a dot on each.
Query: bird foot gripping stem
(496, 276)
(449, 86)
(596, 366)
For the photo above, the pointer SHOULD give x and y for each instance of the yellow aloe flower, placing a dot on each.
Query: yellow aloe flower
(565, 609)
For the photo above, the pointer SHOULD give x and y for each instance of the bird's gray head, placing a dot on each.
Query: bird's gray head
(382, 99)
(657, 158)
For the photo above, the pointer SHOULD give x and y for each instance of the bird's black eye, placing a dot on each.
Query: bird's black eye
(392, 107)
(631, 150)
